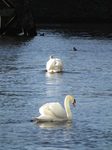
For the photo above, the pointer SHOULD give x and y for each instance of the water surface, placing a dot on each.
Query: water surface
(25, 86)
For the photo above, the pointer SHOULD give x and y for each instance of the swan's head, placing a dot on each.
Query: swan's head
(72, 99)
(51, 57)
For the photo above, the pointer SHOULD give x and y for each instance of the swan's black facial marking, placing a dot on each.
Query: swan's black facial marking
(74, 102)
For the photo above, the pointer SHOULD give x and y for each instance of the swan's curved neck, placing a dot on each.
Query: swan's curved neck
(67, 107)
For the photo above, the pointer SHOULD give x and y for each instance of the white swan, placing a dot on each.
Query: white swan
(54, 112)
(54, 65)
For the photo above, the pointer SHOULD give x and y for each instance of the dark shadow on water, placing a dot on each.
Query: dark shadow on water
(93, 30)
(72, 72)
(49, 75)
(14, 40)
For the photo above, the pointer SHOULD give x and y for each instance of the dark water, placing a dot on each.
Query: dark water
(25, 86)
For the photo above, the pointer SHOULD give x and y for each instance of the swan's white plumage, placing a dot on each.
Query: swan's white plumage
(55, 112)
(54, 65)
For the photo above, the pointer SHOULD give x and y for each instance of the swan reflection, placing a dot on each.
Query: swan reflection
(49, 75)
(49, 125)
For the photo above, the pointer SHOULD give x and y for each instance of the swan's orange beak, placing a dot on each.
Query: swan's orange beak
(74, 102)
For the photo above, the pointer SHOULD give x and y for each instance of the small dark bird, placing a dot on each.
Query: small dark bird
(41, 34)
(74, 49)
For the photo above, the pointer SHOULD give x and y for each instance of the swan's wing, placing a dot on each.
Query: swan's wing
(53, 110)
(50, 64)
(58, 64)
(58, 110)
(45, 110)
